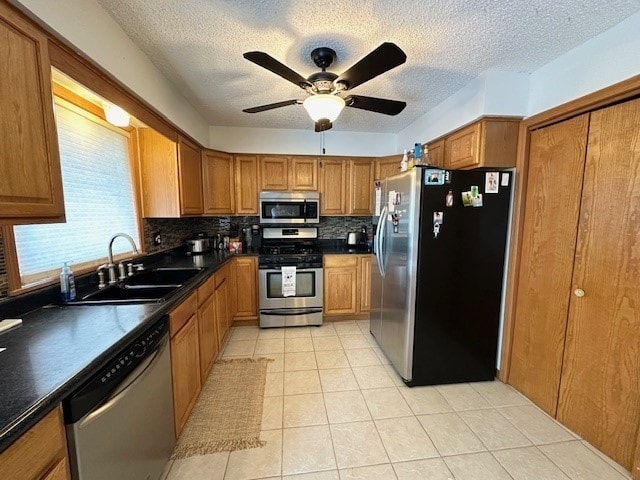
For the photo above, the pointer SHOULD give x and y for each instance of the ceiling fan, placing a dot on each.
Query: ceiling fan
(324, 103)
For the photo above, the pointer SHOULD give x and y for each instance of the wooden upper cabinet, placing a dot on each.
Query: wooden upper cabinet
(436, 153)
(360, 187)
(333, 177)
(246, 184)
(31, 185)
(387, 166)
(274, 173)
(279, 172)
(218, 187)
(303, 173)
(489, 142)
(190, 177)
(170, 176)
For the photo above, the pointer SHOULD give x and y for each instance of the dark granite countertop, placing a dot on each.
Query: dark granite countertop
(58, 347)
(338, 247)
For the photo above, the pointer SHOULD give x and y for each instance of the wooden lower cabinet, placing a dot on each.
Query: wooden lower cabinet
(347, 280)
(221, 301)
(40, 453)
(185, 362)
(207, 327)
(245, 288)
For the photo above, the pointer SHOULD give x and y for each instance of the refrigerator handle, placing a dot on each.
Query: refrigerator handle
(383, 229)
(378, 243)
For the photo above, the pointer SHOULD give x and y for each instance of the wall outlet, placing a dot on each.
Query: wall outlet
(157, 238)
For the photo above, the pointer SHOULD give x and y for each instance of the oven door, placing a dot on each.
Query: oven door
(283, 211)
(308, 289)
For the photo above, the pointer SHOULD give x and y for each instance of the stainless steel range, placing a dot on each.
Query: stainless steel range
(290, 296)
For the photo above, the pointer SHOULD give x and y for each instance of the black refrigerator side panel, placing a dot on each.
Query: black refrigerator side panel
(460, 274)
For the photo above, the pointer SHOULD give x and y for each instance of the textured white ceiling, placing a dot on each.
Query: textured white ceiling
(198, 45)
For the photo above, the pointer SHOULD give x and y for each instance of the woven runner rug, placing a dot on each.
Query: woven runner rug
(228, 414)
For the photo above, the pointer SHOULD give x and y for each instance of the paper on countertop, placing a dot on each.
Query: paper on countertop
(288, 281)
(8, 323)
(2, 350)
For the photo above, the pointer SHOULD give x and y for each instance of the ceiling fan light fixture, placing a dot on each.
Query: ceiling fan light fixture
(323, 106)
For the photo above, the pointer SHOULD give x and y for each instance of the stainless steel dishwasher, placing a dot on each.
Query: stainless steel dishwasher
(120, 422)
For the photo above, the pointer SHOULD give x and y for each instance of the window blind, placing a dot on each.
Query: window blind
(98, 197)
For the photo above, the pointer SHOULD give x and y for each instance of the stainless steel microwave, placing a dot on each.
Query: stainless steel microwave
(289, 207)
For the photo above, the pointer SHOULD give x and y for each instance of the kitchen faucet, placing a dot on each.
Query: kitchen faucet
(110, 265)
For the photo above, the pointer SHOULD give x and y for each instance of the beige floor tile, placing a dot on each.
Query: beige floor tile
(239, 348)
(377, 472)
(450, 434)
(373, 343)
(611, 462)
(299, 361)
(362, 357)
(529, 464)
(499, 395)
(364, 326)
(372, 377)
(381, 356)
(579, 462)
(301, 381)
(430, 469)
(354, 341)
(274, 384)
(278, 361)
(537, 426)
(272, 413)
(270, 333)
(332, 359)
(347, 328)
(202, 466)
(462, 397)
(304, 410)
(476, 466)
(297, 332)
(326, 343)
(425, 400)
(328, 475)
(344, 407)
(325, 330)
(257, 462)
(495, 431)
(307, 449)
(337, 380)
(275, 345)
(298, 344)
(244, 333)
(395, 376)
(405, 439)
(386, 403)
(357, 445)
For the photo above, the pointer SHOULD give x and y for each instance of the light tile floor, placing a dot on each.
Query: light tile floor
(334, 409)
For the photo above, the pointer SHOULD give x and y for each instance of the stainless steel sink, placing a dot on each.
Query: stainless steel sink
(162, 277)
(149, 286)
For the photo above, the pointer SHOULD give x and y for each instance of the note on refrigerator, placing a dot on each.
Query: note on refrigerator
(378, 202)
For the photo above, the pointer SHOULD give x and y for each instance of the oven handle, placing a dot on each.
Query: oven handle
(273, 269)
(290, 311)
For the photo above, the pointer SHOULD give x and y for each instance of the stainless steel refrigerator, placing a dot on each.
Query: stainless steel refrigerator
(439, 253)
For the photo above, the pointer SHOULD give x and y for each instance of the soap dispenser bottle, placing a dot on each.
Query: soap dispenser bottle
(67, 284)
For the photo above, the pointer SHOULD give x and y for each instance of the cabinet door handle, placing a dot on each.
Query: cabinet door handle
(578, 292)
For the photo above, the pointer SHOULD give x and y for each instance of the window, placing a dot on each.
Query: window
(99, 199)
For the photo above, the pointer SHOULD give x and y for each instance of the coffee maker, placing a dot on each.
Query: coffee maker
(256, 237)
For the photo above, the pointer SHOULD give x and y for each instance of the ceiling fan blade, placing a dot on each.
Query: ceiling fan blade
(384, 58)
(271, 106)
(373, 104)
(273, 65)
(323, 124)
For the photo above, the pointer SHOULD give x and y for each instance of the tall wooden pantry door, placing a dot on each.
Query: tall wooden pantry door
(600, 388)
(576, 340)
(556, 163)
